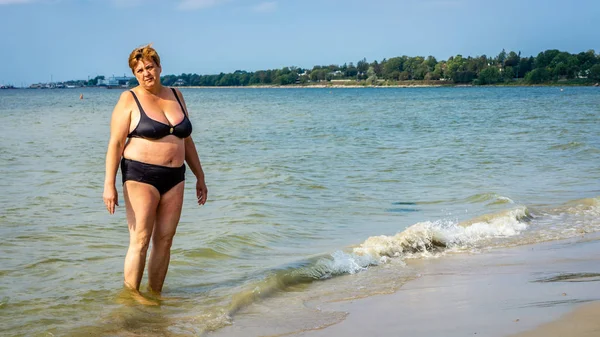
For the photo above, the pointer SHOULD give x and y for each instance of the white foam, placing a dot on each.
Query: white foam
(429, 238)
(506, 199)
(345, 263)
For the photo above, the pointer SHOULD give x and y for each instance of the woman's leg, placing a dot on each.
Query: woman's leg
(167, 218)
(141, 202)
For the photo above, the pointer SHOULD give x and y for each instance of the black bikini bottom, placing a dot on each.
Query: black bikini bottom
(163, 178)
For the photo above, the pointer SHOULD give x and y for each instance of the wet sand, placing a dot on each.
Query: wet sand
(548, 289)
(581, 322)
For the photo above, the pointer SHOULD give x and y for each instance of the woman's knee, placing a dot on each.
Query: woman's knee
(140, 242)
(164, 241)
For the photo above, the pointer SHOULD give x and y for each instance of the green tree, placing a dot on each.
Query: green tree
(168, 80)
(411, 64)
(560, 70)
(421, 71)
(352, 71)
(393, 67)
(508, 74)
(464, 77)
(489, 75)
(377, 68)
(586, 60)
(544, 58)
(476, 64)
(362, 66)
(525, 66)
(94, 81)
(501, 58)
(432, 76)
(538, 75)
(371, 76)
(455, 65)
(512, 60)
(431, 62)
(404, 76)
(594, 72)
(439, 70)
(317, 75)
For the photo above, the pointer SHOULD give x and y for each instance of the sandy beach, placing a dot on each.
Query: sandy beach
(581, 322)
(549, 289)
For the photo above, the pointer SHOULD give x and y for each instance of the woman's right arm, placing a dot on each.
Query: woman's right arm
(119, 128)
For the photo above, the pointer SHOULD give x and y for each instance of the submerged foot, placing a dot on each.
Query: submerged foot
(135, 295)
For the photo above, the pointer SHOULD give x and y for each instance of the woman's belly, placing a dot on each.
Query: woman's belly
(168, 151)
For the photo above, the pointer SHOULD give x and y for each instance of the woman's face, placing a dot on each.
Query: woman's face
(147, 73)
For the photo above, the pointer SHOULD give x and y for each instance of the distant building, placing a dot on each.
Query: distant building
(113, 82)
(180, 82)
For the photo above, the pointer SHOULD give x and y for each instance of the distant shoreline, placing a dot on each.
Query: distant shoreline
(338, 86)
(342, 85)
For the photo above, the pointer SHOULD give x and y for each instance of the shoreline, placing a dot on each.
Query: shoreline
(349, 86)
(541, 290)
(341, 86)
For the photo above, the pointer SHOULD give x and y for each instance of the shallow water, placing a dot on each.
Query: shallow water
(304, 185)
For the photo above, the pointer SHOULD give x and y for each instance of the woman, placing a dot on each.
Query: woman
(155, 119)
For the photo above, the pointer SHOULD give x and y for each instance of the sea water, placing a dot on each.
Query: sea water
(317, 194)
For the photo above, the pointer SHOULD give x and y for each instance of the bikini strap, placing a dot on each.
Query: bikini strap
(181, 105)
(142, 112)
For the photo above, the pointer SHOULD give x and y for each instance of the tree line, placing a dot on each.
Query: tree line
(548, 66)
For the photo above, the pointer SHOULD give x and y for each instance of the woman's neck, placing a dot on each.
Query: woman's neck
(153, 90)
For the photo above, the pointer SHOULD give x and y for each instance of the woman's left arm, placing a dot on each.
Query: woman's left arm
(193, 161)
(191, 157)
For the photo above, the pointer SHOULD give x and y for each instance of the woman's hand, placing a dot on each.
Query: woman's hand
(201, 191)
(111, 198)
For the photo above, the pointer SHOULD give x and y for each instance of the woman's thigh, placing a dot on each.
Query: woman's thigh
(141, 203)
(168, 213)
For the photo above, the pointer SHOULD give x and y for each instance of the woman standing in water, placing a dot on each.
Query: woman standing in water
(150, 136)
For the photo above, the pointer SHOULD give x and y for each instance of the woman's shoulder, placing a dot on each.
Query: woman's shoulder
(125, 102)
(177, 91)
(127, 94)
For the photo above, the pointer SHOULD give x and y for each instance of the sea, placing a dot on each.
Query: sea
(315, 195)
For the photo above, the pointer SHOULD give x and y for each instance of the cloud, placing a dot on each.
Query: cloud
(265, 7)
(199, 4)
(11, 2)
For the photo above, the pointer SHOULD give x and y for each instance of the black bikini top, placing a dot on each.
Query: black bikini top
(148, 128)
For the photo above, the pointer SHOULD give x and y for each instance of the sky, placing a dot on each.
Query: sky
(60, 40)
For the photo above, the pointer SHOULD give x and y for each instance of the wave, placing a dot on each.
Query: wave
(587, 206)
(434, 237)
(567, 146)
(493, 198)
(429, 239)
